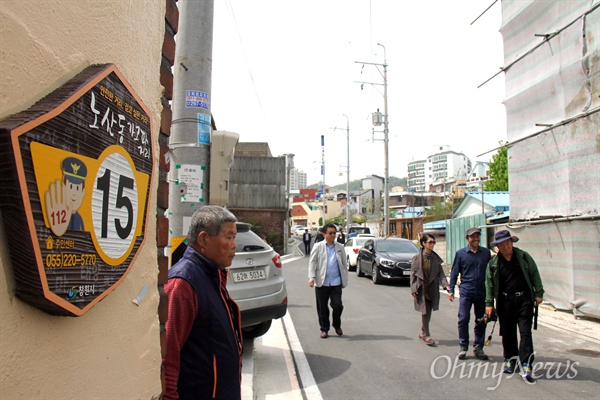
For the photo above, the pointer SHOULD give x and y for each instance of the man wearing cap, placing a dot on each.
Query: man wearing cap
(74, 174)
(470, 262)
(514, 283)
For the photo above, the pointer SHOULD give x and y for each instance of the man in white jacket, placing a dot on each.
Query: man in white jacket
(328, 274)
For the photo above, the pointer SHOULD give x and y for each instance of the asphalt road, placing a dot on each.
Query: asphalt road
(380, 356)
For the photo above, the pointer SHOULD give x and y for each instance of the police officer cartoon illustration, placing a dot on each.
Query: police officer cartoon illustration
(63, 199)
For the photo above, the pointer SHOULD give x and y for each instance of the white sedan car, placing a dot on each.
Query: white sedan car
(299, 230)
(352, 246)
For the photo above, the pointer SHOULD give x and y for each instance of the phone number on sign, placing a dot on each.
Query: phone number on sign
(69, 260)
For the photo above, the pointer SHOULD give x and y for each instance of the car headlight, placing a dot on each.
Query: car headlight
(387, 263)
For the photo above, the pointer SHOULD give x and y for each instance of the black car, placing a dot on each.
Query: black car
(386, 259)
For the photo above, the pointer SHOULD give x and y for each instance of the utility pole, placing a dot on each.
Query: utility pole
(289, 161)
(323, 174)
(386, 182)
(190, 138)
(347, 174)
(386, 211)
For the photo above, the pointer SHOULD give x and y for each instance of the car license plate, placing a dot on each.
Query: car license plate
(249, 275)
(406, 272)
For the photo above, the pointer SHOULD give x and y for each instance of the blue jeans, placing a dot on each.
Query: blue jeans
(464, 316)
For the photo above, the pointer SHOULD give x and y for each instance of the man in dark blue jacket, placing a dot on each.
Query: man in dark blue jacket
(203, 332)
(470, 262)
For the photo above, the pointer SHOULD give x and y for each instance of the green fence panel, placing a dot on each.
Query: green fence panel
(456, 230)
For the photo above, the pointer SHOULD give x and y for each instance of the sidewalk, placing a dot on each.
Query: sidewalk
(584, 327)
(268, 370)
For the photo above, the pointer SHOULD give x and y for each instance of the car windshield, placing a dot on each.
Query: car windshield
(360, 230)
(361, 241)
(394, 246)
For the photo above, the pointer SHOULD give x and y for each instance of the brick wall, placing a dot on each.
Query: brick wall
(267, 222)
(162, 223)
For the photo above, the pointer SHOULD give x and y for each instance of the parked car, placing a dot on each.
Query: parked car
(386, 259)
(357, 230)
(299, 231)
(256, 282)
(294, 229)
(352, 246)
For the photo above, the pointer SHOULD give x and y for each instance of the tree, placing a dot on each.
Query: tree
(498, 180)
(439, 210)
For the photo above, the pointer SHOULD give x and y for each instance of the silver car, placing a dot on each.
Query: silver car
(256, 282)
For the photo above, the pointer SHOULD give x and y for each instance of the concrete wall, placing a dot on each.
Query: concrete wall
(112, 351)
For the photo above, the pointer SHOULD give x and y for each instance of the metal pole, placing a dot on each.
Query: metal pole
(289, 160)
(386, 195)
(323, 173)
(189, 143)
(347, 175)
(482, 203)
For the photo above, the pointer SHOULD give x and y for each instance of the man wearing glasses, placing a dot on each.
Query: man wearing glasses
(470, 262)
(328, 274)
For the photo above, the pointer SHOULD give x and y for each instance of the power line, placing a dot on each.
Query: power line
(230, 7)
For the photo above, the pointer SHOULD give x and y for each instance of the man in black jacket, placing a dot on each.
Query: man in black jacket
(306, 238)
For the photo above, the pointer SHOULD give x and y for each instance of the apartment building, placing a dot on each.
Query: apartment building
(438, 170)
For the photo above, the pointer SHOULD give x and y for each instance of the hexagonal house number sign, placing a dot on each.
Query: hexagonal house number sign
(75, 173)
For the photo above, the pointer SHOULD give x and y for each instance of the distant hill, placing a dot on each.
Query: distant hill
(357, 184)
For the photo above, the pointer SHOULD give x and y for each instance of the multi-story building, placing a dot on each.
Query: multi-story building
(416, 176)
(437, 171)
(297, 179)
(479, 174)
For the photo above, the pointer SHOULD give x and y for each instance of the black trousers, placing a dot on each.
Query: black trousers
(307, 248)
(324, 295)
(513, 312)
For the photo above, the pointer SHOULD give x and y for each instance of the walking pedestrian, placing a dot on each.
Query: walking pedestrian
(514, 284)
(328, 274)
(341, 238)
(320, 235)
(470, 263)
(426, 274)
(306, 238)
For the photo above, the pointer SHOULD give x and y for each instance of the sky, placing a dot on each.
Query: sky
(286, 72)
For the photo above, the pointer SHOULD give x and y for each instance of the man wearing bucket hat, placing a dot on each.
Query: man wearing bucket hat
(471, 263)
(514, 283)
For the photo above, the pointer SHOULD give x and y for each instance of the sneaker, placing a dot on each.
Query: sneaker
(462, 353)
(478, 351)
(509, 366)
(526, 374)
(324, 335)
